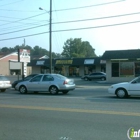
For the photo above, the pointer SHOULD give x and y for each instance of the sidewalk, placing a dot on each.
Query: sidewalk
(80, 82)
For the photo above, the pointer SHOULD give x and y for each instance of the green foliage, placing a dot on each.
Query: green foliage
(35, 51)
(77, 48)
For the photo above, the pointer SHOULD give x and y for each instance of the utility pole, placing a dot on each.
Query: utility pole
(50, 35)
(50, 38)
(24, 42)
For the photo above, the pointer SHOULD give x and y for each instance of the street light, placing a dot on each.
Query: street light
(50, 35)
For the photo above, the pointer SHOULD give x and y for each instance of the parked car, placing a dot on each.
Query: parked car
(126, 89)
(5, 83)
(25, 79)
(47, 82)
(95, 75)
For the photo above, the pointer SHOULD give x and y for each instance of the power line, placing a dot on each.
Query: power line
(21, 26)
(73, 21)
(16, 10)
(11, 3)
(110, 25)
(18, 18)
(88, 6)
(21, 22)
(97, 18)
(24, 29)
(23, 19)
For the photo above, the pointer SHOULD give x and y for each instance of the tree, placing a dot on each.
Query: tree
(77, 48)
(5, 50)
(35, 51)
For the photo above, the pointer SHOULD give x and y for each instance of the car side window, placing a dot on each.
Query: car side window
(37, 78)
(47, 78)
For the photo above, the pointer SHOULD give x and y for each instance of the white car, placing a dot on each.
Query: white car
(126, 89)
(52, 83)
(5, 83)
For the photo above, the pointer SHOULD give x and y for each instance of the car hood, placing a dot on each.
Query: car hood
(121, 84)
(22, 82)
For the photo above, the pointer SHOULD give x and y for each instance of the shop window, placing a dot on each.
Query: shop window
(115, 69)
(44, 69)
(126, 69)
(15, 72)
(89, 69)
(103, 68)
(73, 71)
(137, 69)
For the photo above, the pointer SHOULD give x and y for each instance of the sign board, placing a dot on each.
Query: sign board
(24, 55)
(40, 62)
(64, 62)
(89, 61)
(15, 65)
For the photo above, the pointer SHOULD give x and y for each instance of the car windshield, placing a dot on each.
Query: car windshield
(135, 79)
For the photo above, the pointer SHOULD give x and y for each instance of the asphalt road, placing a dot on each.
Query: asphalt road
(87, 113)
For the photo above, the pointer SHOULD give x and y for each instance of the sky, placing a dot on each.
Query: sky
(105, 24)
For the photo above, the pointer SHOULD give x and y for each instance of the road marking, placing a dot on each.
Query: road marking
(70, 110)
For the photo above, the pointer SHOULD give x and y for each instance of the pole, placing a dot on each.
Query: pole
(50, 38)
(23, 62)
(18, 59)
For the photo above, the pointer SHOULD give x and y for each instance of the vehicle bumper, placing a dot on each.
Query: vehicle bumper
(5, 86)
(111, 91)
(67, 87)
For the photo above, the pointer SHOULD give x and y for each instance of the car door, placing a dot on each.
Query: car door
(95, 75)
(135, 87)
(46, 82)
(34, 83)
(92, 76)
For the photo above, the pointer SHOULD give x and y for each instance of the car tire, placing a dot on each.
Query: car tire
(53, 90)
(65, 92)
(121, 93)
(3, 90)
(86, 79)
(23, 89)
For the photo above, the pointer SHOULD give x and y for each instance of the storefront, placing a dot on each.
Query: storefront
(122, 65)
(68, 67)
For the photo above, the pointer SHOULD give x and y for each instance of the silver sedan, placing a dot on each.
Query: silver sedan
(5, 83)
(52, 83)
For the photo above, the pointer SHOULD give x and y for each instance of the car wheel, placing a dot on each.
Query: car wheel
(103, 78)
(86, 79)
(65, 92)
(53, 90)
(121, 93)
(23, 89)
(3, 90)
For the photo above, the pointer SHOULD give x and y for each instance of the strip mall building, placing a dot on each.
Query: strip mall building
(68, 67)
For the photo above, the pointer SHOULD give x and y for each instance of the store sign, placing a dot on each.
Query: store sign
(89, 61)
(65, 62)
(40, 62)
(102, 62)
(24, 55)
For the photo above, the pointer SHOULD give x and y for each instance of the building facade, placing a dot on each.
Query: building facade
(122, 65)
(14, 64)
(68, 67)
